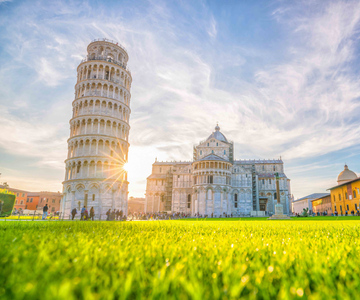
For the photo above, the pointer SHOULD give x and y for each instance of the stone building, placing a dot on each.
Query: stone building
(322, 205)
(345, 196)
(214, 183)
(99, 131)
(136, 205)
(299, 205)
(53, 200)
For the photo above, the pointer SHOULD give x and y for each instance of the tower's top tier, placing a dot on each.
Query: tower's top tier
(108, 49)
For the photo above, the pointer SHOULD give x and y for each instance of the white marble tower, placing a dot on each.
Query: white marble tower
(99, 131)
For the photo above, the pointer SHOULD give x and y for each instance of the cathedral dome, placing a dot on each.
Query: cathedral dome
(346, 175)
(218, 135)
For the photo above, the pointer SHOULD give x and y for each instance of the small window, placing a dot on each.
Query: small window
(354, 192)
(356, 207)
(200, 152)
(212, 151)
(269, 181)
(17, 195)
(53, 200)
(208, 144)
(274, 168)
(341, 208)
(178, 176)
(275, 196)
(160, 170)
(346, 195)
(347, 206)
(93, 197)
(263, 168)
(22, 202)
(31, 199)
(334, 198)
(27, 200)
(224, 152)
(23, 195)
(339, 197)
(189, 201)
(211, 179)
(334, 207)
(263, 181)
(217, 144)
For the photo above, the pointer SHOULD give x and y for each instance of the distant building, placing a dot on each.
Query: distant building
(214, 183)
(32, 201)
(305, 202)
(322, 205)
(136, 205)
(53, 200)
(345, 195)
(21, 197)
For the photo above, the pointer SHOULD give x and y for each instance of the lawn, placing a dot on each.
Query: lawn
(232, 259)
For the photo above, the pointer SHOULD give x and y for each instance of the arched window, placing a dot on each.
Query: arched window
(200, 152)
(235, 200)
(189, 201)
(211, 179)
(275, 196)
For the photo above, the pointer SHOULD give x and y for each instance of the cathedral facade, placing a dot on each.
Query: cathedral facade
(215, 184)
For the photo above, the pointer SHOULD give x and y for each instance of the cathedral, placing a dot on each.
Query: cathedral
(215, 184)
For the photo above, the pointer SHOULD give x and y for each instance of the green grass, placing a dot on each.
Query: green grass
(37, 217)
(181, 260)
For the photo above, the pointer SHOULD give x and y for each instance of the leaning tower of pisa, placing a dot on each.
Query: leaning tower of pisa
(99, 131)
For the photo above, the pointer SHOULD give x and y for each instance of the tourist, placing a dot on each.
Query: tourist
(83, 213)
(73, 213)
(112, 215)
(92, 213)
(108, 215)
(45, 212)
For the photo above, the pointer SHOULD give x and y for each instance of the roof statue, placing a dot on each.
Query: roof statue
(346, 175)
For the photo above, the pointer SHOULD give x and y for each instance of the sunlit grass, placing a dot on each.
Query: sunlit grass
(180, 260)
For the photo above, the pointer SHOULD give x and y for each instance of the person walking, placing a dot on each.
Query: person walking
(108, 215)
(83, 213)
(45, 211)
(112, 215)
(73, 213)
(92, 213)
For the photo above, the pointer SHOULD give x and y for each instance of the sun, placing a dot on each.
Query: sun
(126, 167)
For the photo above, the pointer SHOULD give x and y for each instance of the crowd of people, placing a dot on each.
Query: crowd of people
(111, 215)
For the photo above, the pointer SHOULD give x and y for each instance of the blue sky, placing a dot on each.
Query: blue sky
(280, 77)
